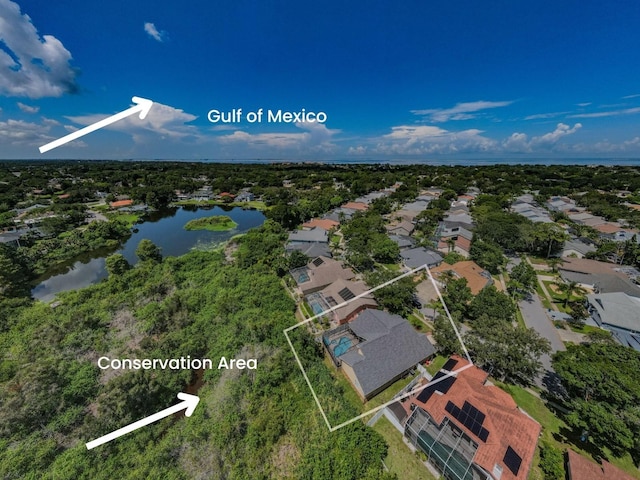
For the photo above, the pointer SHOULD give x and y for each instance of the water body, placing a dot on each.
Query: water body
(164, 228)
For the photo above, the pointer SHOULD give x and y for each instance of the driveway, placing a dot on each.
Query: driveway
(535, 317)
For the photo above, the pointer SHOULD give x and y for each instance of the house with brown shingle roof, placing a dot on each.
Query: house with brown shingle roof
(356, 206)
(323, 223)
(469, 428)
(339, 292)
(477, 277)
(580, 468)
(319, 273)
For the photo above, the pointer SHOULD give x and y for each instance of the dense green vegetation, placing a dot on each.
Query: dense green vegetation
(258, 424)
(216, 223)
(603, 394)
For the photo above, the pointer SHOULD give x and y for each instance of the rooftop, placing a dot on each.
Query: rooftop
(417, 257)
(319, 273)
(389, 347)
(506, 436)
(477, 277)
(617, 309)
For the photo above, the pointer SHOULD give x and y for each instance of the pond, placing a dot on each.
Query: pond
(164, 228)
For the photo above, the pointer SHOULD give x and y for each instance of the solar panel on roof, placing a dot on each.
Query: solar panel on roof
(346, 294)
(441, 386)
(512, 460)
(318, 261)
(450, 364)
(470, 417)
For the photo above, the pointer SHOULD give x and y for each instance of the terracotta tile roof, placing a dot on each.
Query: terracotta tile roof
(324, 223)
(121, 203)
(507, 425)
(581, 468)
(607, 228)
(356, 206)
(477, 277)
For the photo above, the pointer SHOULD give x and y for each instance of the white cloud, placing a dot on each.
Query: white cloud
(30, 65)
(635, 95)
(428, 139)
(519, 142)
(153, 32)
(583, 104)
(610, 113)
(162, 121)
(539, 116)
(18, 132)
(315, 137)
(461, 111)
(28, 108)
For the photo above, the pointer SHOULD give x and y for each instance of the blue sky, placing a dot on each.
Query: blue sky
(397, 80)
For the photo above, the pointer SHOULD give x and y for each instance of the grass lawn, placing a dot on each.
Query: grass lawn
(556, 432)
(519, 318)
(400, 460)
(436, 364)
(418, 324)
(388, 394)
(584, 328)
(545, 301)
(129, 218)
(216, 223)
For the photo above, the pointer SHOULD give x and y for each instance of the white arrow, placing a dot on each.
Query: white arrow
(142, 105)
(190, 402)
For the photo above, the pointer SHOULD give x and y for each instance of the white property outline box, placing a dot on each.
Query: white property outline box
(450, 373)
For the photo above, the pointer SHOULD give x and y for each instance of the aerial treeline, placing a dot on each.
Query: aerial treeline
(257, 424)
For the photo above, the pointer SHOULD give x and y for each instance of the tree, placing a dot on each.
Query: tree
(445, 336)
(116, 264)
(554, 263)
(457, 295)
(14, 272)
(487, 255)
(148, 251)
(297, 259)
(509, 352)
(523, 277)
(492, 303)
(551, 462)
(568, 290)
(397, 297)
(601, 380)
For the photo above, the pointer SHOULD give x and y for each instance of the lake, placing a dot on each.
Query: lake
(164, 228)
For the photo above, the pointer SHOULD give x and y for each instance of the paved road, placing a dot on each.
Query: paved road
(535, 317)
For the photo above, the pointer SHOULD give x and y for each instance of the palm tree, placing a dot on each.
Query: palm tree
(569, 289)
(554, 263)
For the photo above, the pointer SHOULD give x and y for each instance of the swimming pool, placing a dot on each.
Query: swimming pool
(343, 344)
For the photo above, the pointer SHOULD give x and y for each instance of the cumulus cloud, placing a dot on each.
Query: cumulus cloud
(520, 142)
(461, 111)
(162, 121)
(18, 132)
(153, 32)
(28, 108)
(314, 137)
(429, 139)
(30, 65)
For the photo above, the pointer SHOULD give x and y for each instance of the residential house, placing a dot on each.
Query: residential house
(376, 349)
(576, 247)
(619, 313)
(403, 241)
(319, 273)
(312, 235)
(357, 206)
(581, 468)
(477, 278)
(310, 249)
(457, 239)
(420, 256)
(121, 203)
(403, 227)
(245, 196)
(339, 292)
(323, 223)
(463, 220)
(469, 428)
(600, 277)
